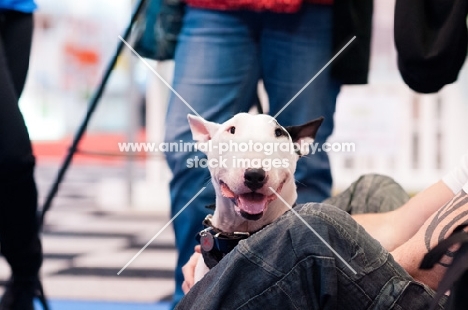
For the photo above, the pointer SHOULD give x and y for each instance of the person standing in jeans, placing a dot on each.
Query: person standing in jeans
(223, 50)
(19, 229)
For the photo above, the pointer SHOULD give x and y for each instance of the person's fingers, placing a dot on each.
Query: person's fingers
(185, 287)
(188, 271)
(198, 248)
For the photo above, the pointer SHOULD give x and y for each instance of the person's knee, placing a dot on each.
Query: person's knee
(375, 178)
(386, 192)
(316, 209)
(319, 217)
(312, 229)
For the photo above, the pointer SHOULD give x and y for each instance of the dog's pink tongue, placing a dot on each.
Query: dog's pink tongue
(252, 203)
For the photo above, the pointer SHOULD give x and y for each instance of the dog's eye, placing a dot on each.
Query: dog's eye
(278, 132)
(232, 130)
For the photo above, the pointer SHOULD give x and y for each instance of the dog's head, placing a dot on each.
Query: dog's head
(250, 157)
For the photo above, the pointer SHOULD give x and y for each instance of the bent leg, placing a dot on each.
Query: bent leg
(371, 193)
(288, 266)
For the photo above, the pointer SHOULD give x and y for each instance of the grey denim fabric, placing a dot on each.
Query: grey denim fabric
(287, 266)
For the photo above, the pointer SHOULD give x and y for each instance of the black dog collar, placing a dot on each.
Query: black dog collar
(215, 244)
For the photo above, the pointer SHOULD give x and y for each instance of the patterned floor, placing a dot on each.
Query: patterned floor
(84, 247)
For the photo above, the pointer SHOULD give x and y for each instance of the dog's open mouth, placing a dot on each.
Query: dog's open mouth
(250, 205)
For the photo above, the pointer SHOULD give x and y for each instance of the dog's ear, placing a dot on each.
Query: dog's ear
(304, 135)
(202, 130)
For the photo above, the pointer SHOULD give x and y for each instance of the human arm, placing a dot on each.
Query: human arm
(438, 227)
(394, 228)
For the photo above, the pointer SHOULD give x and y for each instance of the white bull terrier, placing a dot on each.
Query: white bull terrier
(251, 159)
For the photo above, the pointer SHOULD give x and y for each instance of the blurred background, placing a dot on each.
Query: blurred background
(110, 205)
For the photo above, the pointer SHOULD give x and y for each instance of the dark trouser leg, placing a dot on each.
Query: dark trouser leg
(287, 266)
(371, 193)
(19, 238)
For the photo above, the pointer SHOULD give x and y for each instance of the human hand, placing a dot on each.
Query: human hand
(189, 270)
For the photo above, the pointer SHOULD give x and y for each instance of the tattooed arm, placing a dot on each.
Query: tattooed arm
(392, 229)
(438, 227)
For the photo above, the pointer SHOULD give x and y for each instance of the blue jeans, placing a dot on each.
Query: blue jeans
(286, 266)
(219, 59)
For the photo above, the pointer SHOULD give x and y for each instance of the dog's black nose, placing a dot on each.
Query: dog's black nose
(254, 178)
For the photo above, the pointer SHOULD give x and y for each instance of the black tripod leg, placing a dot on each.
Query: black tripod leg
(91, 107)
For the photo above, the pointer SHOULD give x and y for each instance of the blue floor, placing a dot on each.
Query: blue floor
(100, 305)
